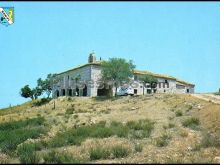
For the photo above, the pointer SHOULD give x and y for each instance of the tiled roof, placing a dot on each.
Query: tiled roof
(153, 74)
(80, 66)
(179, 82)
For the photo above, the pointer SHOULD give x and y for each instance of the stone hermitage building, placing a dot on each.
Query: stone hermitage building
(84, 80)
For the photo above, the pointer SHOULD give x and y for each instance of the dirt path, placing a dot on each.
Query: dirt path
(208, 97)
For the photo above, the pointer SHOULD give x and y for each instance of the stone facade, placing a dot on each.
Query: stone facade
(84, 81)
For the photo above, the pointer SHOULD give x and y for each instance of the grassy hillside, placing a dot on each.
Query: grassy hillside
(160, 128)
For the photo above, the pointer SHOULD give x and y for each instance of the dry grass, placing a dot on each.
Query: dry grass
(124, 113)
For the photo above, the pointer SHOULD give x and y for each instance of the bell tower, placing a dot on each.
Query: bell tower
(92, 58)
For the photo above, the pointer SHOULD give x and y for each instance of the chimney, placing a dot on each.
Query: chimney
(92, 58)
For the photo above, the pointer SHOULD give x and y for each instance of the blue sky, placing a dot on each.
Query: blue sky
(181, 39)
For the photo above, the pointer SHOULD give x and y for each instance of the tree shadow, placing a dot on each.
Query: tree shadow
(104, 98)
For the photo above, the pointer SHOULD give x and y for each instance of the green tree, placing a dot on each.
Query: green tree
(36, 92)
(149, 79)
(46, 85)
(117, 70)
(26, 92)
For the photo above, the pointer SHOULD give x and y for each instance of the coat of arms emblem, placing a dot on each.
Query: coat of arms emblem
(6, 15)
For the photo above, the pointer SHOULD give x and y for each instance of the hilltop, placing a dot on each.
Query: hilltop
(159, 128)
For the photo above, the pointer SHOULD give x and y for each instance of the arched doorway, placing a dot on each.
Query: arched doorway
(85, 91)
(57, 93)
(70, 92)
(63, 92)
(104, 90)
(77, 91)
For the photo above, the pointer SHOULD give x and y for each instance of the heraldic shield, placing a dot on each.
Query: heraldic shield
(7, 15)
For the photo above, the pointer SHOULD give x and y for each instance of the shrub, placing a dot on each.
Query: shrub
(170, 117)
(101, 124)
(39, 145)
(183, 133)
(100, 130)
(165, 127)
(65, 138)
(120, 130)
(190, 107)
(69, 99)
(69, 111)
(171, 125)
(108, 111)
(140, 125)
(197, 147)
(42, 101)
(140, 129)
(75, 116)
(140, 134)
(116, 124)
(27, 154)
(138, 147)
(119, 151)
(209, 140)
(162, 140)
(30, 128)
(22, 123)
(99, 153)
(191, 122)
(56, 157)
(179, 113)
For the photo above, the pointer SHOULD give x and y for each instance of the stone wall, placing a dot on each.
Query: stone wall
(96, 77)
(163, 87)
(92, 75)
(67, 83)
(180, 89)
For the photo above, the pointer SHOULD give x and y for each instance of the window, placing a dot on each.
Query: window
(187, 90)
(68, 77)
(166, 81)
(167, 85)
(159, 84)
